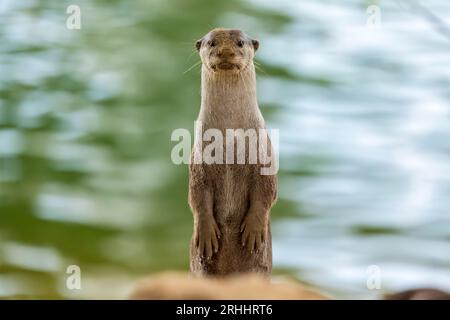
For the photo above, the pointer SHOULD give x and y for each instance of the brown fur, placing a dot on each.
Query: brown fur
(230, 202)
(177, 286)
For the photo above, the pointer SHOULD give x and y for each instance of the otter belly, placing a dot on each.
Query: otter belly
(233, 258)
(231, 195)
(231, 203)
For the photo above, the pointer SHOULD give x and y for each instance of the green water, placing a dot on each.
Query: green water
(86, 117)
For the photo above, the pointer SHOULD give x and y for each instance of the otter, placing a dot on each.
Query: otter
(230, 202)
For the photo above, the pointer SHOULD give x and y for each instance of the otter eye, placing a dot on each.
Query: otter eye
(212, 43)
(240, 43)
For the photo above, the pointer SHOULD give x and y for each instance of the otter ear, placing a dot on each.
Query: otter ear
(255, 44)
(198, 44)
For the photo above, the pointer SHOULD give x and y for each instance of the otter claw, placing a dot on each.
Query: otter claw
(206, 238)
(253, 229)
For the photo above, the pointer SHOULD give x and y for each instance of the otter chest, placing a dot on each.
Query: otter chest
(232, 183)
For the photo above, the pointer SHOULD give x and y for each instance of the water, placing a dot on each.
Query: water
(86, 117)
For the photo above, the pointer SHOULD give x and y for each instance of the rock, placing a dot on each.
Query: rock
(419, 294)
(180, 286)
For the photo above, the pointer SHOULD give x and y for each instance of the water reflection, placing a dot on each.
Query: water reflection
(86, 118)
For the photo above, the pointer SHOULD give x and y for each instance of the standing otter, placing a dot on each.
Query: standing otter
(230, 202)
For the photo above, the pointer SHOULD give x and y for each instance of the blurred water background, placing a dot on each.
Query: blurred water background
(86, 117)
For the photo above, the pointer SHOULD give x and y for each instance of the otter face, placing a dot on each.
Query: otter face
(226, 50)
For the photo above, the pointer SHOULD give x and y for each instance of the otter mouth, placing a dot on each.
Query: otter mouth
(225, 66)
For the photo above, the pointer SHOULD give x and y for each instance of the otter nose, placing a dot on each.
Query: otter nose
(225, 53)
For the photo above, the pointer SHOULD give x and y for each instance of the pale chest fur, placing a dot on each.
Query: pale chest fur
(230, 103)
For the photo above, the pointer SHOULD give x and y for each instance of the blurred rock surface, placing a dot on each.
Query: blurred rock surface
(180, 286)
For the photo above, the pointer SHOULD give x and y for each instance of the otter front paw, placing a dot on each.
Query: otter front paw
(206, 237)
(253, 231)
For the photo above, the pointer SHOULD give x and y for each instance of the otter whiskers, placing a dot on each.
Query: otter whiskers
(193, 66)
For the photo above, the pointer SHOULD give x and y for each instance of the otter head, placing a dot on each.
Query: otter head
(226, 51)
